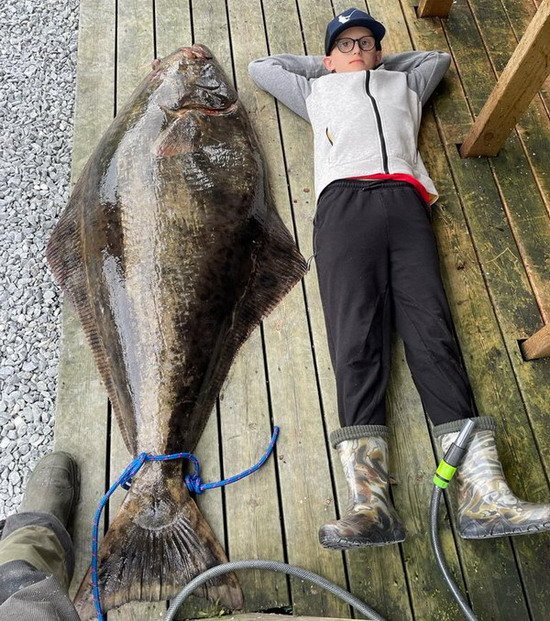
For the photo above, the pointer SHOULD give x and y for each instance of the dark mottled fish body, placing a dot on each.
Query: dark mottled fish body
(171, 251)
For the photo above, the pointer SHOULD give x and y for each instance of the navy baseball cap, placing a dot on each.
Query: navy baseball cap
(347, 19)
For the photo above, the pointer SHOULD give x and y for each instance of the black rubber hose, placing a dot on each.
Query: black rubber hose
(436, 545)
(284, 568)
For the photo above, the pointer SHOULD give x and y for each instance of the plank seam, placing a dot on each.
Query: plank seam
(521, 580)
(191, 22)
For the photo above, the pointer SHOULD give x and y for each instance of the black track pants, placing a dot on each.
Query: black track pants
(376, 256)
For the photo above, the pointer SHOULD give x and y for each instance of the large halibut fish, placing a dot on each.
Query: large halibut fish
(171, 251)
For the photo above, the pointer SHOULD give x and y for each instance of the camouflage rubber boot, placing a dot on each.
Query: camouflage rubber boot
(53, 487)
(486, 505)
(370, 519)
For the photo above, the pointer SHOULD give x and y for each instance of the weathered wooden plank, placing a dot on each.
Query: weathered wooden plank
(81, 414)
(413, 469)
(81, 411)
(516, 87)
(528, 219)
(134, 46)
(254, 522)
(434, 8)
(303, 465)
(173, 26)
(538, 345)
(514, 307)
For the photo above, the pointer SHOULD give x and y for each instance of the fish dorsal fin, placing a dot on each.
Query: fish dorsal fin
(65, 256)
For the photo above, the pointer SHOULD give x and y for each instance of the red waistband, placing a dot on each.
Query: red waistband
(401, 177)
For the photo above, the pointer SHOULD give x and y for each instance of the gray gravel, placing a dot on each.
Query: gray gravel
(38, 42)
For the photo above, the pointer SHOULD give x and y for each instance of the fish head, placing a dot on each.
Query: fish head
(194, 80)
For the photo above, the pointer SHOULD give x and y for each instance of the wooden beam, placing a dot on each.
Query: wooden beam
(523, 76)
(434, 8)
(538, 345)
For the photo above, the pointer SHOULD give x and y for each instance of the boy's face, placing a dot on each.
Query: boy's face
(357, 59)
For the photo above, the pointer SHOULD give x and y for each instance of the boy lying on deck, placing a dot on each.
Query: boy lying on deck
(376, 256)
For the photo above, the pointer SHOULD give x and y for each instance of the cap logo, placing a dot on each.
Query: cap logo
(344, 19)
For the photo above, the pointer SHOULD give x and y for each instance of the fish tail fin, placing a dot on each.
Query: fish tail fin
(152, 549)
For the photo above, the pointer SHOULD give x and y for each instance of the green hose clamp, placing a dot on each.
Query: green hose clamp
(443, 474)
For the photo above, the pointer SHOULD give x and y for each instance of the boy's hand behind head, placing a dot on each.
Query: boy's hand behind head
(352, 42)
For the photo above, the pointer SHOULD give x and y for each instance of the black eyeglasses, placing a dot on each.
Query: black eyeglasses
(347, 44)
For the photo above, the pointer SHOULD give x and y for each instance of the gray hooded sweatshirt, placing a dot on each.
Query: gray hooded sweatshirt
(364, 122)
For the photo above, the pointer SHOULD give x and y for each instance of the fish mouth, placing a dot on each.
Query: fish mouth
(180, 112)
(217, 111)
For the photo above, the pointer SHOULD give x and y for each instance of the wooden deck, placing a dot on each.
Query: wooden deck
(493, 228)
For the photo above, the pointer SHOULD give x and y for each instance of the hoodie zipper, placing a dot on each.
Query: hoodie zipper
(379, 124)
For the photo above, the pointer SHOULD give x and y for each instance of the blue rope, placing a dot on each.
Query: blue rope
(192, 481)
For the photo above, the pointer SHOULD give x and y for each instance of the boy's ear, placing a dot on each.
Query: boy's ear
(327, 61)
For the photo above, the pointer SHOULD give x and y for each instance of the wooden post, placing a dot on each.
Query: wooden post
(521, 79)
(434, 8)
(538, 345)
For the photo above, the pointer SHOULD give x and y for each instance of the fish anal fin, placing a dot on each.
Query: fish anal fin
(277, 267)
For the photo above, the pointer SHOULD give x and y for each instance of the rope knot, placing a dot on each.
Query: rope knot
(194, 483)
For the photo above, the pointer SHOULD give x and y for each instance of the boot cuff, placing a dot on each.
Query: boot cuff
(356, 432)
(482, 423)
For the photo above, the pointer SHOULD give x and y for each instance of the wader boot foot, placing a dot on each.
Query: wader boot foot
(53, 487)
(487, 508)
(370, 519)
(354, 532)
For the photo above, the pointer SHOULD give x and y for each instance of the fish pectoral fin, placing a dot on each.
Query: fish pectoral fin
(140, 559)
(177, 138)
